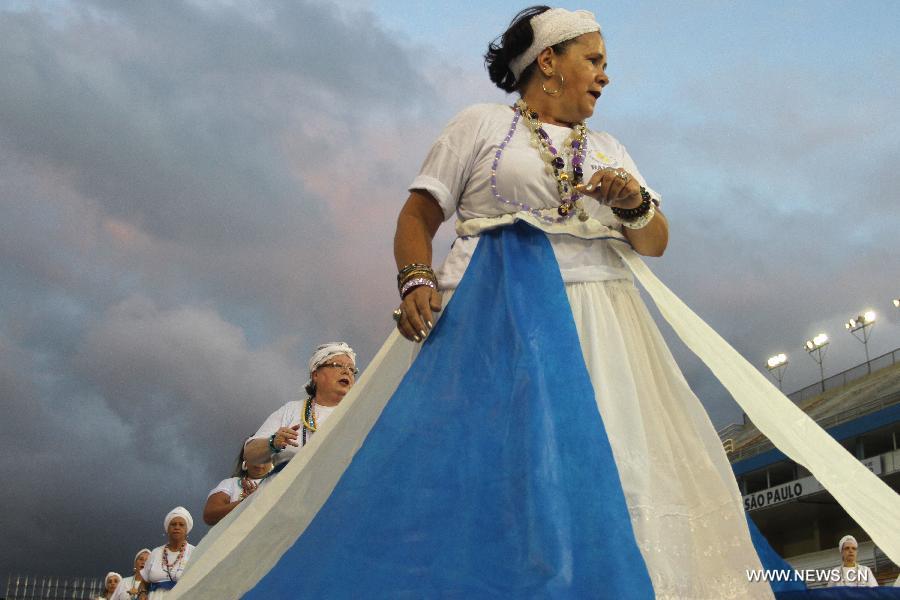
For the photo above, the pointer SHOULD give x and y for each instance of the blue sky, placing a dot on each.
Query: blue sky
(195, 194)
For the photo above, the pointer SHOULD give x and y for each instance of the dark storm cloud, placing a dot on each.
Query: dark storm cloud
(178, 183)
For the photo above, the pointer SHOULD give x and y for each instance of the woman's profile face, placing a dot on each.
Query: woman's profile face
(583, 65)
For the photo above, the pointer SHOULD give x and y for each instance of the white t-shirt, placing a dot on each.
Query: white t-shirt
(287, 416)
(155, 572)
(457, 172)
(858, 576)
(121, 592)
(231, 486)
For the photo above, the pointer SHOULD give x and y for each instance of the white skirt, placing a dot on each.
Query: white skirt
(684, 503)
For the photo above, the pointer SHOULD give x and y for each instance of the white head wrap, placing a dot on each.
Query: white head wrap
(326, 351)
(844, 540)
(110, 574)
(550, 28)
(179, 511)
(147, 550)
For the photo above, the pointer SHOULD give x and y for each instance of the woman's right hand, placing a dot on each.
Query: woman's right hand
(417, 312)
(287, 436)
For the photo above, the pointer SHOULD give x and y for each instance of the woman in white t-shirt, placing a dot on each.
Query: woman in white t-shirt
(129, 587)
(230, 492)
(166, 563)
(498, 167)
(332, 373)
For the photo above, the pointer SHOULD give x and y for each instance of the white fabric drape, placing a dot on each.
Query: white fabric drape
(865, 497)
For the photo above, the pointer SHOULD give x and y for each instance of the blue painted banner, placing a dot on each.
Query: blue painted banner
(489, 473)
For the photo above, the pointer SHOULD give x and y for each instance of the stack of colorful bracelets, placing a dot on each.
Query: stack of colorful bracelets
(639, 216)
(415, 275)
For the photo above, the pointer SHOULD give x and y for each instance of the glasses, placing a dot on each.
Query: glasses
(349, 368)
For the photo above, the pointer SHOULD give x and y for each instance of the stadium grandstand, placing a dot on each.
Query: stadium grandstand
(860, 408)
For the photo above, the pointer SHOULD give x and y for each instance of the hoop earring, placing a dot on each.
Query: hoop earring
(555, 92)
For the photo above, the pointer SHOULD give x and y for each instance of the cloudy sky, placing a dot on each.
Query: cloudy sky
(195, 193)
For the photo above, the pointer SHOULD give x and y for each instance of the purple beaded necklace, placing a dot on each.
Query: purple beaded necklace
(566, 179)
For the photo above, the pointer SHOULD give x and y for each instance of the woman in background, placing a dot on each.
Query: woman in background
(230, 492)
(166, 563)
(129, 588)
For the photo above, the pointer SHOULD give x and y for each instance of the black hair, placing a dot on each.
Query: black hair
(311, 388)
(514, 41)
(238, 470)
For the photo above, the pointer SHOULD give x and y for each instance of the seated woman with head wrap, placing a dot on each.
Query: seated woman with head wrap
(332, 372)
(110, 582)
(129, 588)
(166, 563)
(232, 491)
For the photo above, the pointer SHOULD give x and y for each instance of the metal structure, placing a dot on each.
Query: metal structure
(31, 587)
(862, 323)
(816, 349)
(777, 365)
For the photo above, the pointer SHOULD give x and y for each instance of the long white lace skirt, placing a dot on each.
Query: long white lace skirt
(685, 506)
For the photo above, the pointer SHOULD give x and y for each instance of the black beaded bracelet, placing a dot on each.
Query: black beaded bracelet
(630, 214)
(272, 446)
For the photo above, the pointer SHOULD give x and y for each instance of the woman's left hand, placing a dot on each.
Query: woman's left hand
(613, 187)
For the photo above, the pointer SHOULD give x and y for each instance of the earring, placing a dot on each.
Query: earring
(244, 465)
(555, 92)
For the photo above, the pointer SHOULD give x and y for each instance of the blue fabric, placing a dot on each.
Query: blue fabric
(488, 475)
(843, 593)
(162, 585)
(771, 561)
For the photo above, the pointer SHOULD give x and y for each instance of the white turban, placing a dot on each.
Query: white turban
(179, 511)
(110, 574)
(326, 351)
(844, 540)
(147, 550)
(550, 28)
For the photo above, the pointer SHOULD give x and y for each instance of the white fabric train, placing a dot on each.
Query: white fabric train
(248, 543)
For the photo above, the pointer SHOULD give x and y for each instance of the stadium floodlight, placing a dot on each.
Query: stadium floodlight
(816, 349)
(862, 323)
(776, 366)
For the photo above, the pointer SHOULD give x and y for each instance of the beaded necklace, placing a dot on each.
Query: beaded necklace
(178, 559)
(567, 175)
(309, 419)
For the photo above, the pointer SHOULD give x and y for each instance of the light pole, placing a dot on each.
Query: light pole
(816, 349)
(862, 323)
(776, 366)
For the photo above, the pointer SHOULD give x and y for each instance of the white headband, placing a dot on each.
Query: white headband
(550, 28)
(326, 351)
(142, 550)
(179, 511)
(844, 540)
